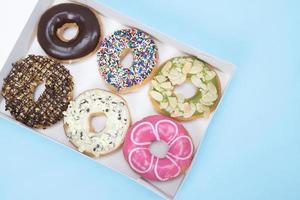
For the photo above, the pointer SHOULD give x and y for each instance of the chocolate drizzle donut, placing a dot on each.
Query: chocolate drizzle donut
(19, 85)
(56, 19)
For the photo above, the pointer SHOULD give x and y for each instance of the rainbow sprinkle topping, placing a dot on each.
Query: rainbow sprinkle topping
(144, 53)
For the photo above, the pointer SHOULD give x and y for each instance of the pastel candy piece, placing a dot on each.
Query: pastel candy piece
(136, 148)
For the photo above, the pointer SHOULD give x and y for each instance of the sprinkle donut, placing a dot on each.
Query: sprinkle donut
(175, 72)
(136, 148)
(77, 122)
(115, 47)
(21, 82)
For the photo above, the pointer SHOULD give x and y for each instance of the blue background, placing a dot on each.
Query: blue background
(252, 148)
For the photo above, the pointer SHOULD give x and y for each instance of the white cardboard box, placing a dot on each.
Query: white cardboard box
(86, 76)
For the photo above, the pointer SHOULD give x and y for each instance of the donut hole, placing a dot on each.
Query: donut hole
(187, 89)
(159, 148)
(67, 32)
(38, 91)
(97, 122)
(126, 58)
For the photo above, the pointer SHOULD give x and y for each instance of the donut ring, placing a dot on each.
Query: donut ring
(77, 123)
(62, 16)
(115, 47)
(175, 72)
(136, 148)
(19, 86)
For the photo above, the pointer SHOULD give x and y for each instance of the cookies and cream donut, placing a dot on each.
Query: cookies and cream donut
(142, 134)
(175, 72)
(77, 122)
(57, 19)
(21, 82)
(115, 47)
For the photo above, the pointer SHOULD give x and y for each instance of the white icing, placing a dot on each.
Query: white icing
(78, 115)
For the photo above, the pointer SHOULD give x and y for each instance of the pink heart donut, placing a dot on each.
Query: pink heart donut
(136, 148)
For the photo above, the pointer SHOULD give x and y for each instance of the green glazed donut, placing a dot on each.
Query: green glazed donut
(175, 72)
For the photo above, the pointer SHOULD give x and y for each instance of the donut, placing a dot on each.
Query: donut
(142, 134)
(175, 72)
(77, 122)
(112, 51)
(57, 19)
(19, 86)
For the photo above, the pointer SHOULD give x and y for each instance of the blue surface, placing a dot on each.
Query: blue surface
(252, 149)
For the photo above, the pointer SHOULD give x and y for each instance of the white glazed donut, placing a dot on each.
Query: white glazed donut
(77, 122)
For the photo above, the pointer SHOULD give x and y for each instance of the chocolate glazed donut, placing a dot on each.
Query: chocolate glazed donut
(63, 16)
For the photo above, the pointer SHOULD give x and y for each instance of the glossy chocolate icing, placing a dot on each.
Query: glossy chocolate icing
(84, 43)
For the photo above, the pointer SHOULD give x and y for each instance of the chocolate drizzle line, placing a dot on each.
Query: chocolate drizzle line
(20, 84)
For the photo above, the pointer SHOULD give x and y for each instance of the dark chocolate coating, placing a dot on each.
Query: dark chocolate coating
(87, 39)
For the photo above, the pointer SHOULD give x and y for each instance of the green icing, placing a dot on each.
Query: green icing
(200, 69)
